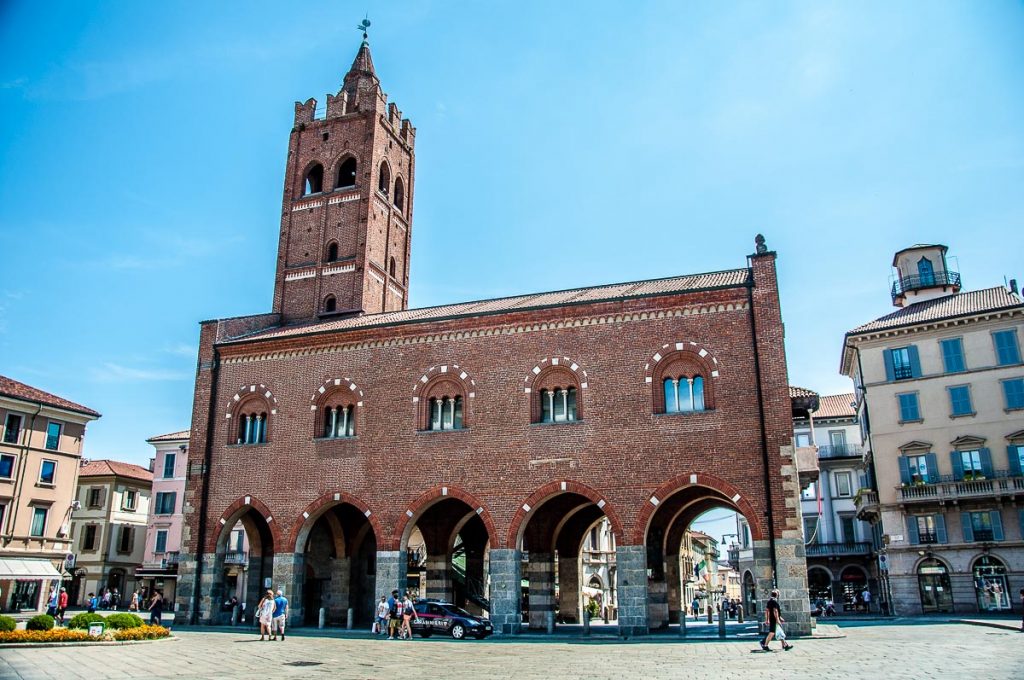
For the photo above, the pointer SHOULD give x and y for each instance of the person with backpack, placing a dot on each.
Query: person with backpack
(394, 614)
(408, 614)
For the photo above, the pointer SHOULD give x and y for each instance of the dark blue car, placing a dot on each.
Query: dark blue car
(444, 618)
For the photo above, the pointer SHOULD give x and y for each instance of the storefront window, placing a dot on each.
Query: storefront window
(990, 584)
(934, 584)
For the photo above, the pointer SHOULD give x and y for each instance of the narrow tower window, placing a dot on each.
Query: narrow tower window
(314, 180)
(392, 268)
(332, 252)
(399, 193)
(347, 174)
(330, 304)
(384, 183)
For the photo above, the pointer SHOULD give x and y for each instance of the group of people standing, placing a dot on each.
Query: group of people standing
(57, 604)
(394, 616)
(272, 612)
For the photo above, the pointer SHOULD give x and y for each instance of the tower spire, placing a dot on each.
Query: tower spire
(363, 63)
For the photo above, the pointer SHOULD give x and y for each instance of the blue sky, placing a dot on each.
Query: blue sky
(558, 145)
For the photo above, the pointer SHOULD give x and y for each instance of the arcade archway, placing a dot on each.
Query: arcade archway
(243, 562)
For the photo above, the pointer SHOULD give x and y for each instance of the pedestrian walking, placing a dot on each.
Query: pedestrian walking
(51, 602)
(115, 599)
(394, 614)
(695, 605)
(265, 614)
(133, 606)
(408, 614)
(773, 619)
(62, 605)
(280, 615)
(866, 599)
(156, 608)
(93, 603)
(380, 621)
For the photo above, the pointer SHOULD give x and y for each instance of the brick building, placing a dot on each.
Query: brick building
(341, 423)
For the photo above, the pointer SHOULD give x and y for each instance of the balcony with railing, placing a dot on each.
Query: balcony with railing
(866, 504)
(906, 284)
(840, 451)
(239, 558)
(1000, 485)
(838, 549)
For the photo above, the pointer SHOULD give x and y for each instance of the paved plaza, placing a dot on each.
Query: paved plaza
(918, 651)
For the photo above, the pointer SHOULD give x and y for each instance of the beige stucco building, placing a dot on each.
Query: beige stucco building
(940, 389)
(109, 529)
(40, 449)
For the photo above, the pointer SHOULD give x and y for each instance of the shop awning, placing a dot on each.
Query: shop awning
(27, 569)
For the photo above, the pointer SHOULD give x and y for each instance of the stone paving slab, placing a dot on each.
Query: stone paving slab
(936, 651)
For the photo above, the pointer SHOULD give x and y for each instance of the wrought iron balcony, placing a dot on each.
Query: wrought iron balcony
(866, 503)
(1001, 485)
(838, 549)
(840, 451)
(905, 284)
(241, 558)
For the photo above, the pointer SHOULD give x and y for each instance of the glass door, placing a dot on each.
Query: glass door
(936, 591)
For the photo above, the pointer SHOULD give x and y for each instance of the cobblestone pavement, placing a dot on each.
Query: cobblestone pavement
(933, 651)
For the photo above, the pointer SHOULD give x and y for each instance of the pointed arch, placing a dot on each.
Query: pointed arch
(230, 516)
(399, 200)
(304, 523)
(550, 490)
(384, 177)
(438, 493)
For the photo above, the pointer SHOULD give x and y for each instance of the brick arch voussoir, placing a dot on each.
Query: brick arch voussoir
(258, 389)
(313, 511)
(730, 493)
(234, 509)
(670, 348)
(431, 496)
(555, 488)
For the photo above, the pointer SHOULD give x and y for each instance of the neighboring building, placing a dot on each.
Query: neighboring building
(940, 387)
(598, 567)
(839, 546)
(109, 531)
(40, 446)
(339, 424)
(159, 570)
(700, 553)
(728, 582)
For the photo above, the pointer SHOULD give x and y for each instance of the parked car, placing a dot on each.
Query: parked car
(434, 616)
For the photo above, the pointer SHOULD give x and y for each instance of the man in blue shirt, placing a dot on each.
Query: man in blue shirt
(280, 615)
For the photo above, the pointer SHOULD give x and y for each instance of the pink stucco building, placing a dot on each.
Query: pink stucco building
(163, 532)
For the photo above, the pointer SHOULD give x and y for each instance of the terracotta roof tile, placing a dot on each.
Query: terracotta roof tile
(678, 284)
(948, 307)
(837, 406)
(17, 390)
(170, 437)
(797, 392)
(106, 468)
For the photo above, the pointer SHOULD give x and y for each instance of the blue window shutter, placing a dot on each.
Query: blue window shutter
(958, 465)
(965, 524)
(940, 529)
(932, 461)
(986, 463)
(915, 361)
(1014, 458)
(904, 470)
(997, 525)
(890, 372)
(912, 530)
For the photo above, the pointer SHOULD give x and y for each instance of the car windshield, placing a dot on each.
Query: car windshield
(452, 609)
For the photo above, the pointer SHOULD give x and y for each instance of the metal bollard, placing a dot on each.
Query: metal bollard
(711, 614)
(350, 618)
(586, 622)
(682, 623)
(549, 618)
(322, 621)
(721, 623)
(234, 615)
(739, 612)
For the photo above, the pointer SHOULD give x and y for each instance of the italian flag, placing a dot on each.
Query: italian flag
(701, 569)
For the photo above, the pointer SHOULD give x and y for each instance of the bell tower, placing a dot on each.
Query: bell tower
(346, 217)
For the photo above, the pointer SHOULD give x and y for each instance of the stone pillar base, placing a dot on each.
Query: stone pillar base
(540, 571)
(289, 574)
(631, 584)
(392, 572)
(506, 577)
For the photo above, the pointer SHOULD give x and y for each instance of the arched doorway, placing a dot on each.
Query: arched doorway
(552, 543)
(749, 594)
(244, 564)
(853, 581)
(934, 585)
(990, 586)
(339, 550)
(75, 587)
(819, 589)
(447, 546)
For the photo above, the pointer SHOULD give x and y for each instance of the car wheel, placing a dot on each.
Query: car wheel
(458, 631)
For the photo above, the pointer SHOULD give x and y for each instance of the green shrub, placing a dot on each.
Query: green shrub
(40, 622)
(83, 620)
(123, 621)
(7, 624)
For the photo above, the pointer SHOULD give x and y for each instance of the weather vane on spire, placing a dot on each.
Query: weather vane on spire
(363, 25)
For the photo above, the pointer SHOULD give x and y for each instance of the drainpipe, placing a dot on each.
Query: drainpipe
(26, 441)
(764, 435)
(205, 495)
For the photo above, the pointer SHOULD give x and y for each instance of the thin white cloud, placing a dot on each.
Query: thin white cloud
(111, 372)
(182, 349)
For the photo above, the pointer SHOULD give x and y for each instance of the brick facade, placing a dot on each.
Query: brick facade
(524, 480)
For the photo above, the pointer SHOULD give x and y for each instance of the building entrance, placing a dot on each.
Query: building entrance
(936, 591)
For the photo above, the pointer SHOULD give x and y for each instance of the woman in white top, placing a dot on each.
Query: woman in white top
(265, 614)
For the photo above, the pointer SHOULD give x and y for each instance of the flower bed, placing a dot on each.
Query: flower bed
(145, 632)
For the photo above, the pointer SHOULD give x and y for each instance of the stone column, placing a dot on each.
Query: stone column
(289, 573)
(505, 570)
(439, 577)
(540, 571)
(337, 595)
(631, 584)
(569, 588)
(674, 594)
(657, 604)
(187, 598)
(791, 580)
(392, 571)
